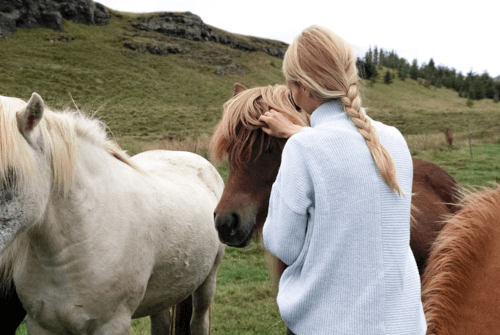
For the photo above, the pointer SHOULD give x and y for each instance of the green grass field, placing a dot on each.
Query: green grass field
(245, 302)
(174, 101)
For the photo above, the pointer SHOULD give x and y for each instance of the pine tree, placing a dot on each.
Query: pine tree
(471, 86)
(431, 66)
(388, 77)
(459, 83)
(381, 58)
(393, 60)
(449, 77)
(414, 70)
(403, 71)
(487, 86)
(370, 69)
(369, 56)
(361, 68)
(402, 74)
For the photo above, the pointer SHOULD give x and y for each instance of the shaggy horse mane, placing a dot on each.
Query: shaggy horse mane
(61, 132)
(240, 129)
(456, 255)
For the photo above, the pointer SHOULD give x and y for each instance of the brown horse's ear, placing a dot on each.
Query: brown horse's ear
(238, 88)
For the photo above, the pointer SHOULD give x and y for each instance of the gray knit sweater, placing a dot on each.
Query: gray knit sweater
(350, 266)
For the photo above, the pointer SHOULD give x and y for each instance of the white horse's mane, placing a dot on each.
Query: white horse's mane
(61, 132)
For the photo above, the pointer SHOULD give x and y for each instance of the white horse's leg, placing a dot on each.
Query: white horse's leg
(160, 323)
(203, 297)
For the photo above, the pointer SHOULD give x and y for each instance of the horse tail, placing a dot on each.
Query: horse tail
(276, 267)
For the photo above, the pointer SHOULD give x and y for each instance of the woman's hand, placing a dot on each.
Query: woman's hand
(277, 125)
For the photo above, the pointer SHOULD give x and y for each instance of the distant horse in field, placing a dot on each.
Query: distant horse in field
(255, 159)
(461, 287)
(92, 238)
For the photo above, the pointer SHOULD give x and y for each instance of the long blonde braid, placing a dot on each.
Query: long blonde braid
(325, 64)
(381, 156)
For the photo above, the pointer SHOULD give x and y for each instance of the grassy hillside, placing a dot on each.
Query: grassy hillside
(136, 94)
(174, 101)
(151, 96)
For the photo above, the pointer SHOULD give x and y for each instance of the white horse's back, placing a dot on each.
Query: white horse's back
(181, 165)
(188, 187)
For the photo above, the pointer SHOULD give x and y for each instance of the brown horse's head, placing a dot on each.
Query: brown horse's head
(254, 159)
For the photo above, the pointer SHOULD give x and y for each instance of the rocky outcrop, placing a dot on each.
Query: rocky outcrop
(186, 25)
(190, 26)
(49, 14)
(155, 47)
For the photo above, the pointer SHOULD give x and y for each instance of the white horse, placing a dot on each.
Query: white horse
(92, 238)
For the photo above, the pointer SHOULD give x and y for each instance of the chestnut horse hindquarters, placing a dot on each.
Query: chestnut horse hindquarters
(460, 290)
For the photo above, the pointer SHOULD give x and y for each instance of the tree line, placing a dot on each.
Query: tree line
(471, 86)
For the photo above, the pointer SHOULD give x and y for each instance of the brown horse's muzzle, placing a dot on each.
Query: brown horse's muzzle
(235, 227)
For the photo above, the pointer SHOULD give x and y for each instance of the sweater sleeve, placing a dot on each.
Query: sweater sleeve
(291, 196)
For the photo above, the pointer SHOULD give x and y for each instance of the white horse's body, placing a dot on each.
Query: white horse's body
(121, 243)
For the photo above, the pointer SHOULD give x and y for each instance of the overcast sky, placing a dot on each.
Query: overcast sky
(457, 34)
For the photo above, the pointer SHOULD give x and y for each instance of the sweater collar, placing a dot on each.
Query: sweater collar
(326, 112)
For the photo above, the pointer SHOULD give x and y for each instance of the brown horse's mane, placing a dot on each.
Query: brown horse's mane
(457, 253)
(240, 129)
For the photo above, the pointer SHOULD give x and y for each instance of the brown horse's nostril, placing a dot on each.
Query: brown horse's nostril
(234, 224)
(227, 225)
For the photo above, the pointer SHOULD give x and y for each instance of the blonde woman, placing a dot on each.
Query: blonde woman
(339, 212)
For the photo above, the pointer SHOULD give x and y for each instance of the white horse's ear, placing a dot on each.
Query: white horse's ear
(29, 117)
(238, 88)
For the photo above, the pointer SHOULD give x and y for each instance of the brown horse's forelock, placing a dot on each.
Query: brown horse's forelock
(457, 252)
(239, 131)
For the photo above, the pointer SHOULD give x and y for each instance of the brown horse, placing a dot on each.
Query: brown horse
(461, 287)
(435, 197)
(255, 159)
